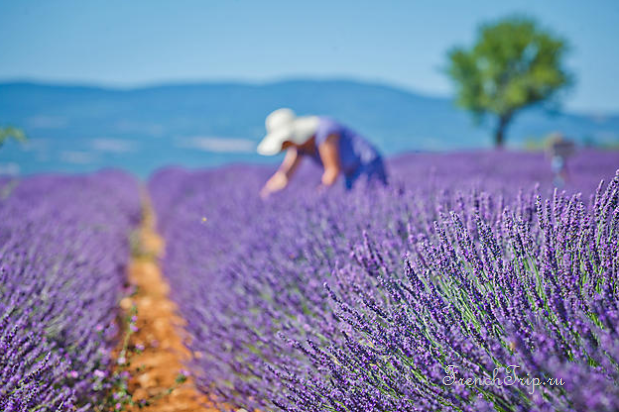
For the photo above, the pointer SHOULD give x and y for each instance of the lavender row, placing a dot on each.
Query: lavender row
(373, 300)
(64, 246)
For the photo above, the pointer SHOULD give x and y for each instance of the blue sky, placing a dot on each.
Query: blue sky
(131, 43)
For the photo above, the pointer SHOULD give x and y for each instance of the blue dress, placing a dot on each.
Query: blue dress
(357, 156)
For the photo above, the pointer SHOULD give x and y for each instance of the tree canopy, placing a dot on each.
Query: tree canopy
(8, 132)
(513, 64)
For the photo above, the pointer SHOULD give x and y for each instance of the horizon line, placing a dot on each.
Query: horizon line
(129, 86)
(120, 87)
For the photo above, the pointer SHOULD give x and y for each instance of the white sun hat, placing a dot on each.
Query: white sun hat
(282, 125)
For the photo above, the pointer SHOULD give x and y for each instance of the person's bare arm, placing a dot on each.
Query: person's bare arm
(330, 156)
(280, 179)
(291, 162)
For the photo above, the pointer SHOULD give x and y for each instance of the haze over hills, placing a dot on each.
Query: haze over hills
(81, 128)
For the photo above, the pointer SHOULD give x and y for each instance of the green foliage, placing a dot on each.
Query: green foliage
(15, 133)
(514, 64)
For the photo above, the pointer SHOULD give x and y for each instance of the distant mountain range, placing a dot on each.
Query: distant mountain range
(82, 128)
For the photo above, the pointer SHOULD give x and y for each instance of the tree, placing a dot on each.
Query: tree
(513, 65)
(7, 132)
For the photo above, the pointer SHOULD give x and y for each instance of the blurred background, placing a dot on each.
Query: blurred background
(143, 84)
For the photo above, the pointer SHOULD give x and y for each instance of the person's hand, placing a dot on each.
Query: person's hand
(276, 183)
(264, 193)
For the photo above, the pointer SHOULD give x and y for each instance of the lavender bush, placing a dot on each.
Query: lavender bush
(388, 299)
(64, 245)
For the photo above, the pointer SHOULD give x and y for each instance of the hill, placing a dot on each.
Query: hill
(79, 128)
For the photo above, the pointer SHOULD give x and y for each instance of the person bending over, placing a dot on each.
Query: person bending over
(335, 147)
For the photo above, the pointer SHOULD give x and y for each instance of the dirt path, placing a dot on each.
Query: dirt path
(158, 323)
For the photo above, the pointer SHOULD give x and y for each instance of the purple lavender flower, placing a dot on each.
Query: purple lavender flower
(469, 260)
(63, 252)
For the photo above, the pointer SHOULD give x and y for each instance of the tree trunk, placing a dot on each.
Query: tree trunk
(499, 133)
(499, 136)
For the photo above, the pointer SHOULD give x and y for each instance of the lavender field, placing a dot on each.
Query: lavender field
(64, 246)
(389, 299)
(466, 266)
